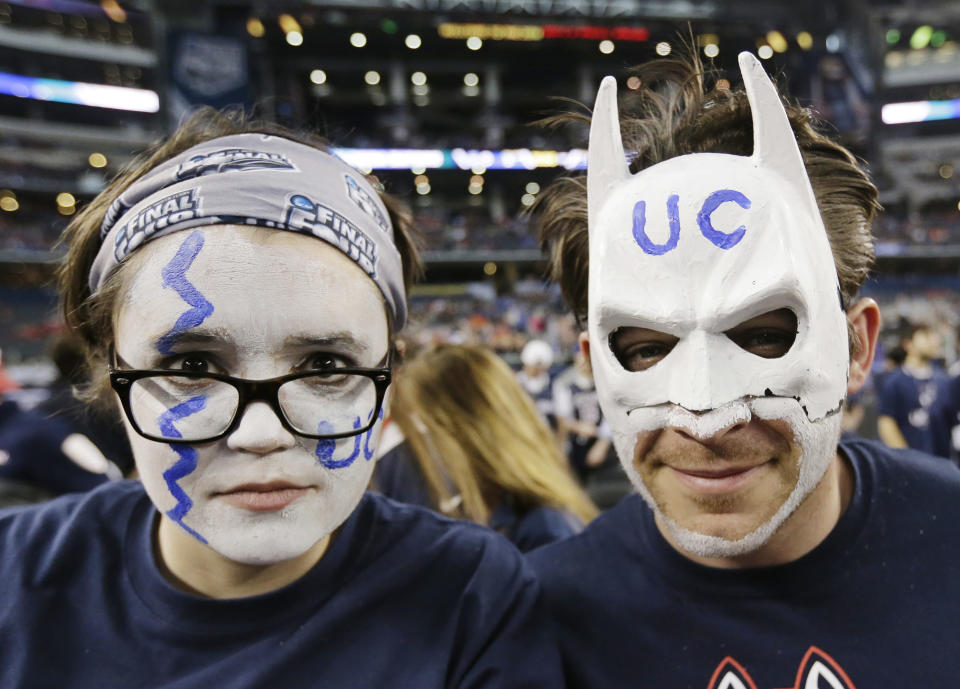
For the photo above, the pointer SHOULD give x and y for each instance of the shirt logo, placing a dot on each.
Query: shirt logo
(232, 159)
(817, 671)
(306, 216)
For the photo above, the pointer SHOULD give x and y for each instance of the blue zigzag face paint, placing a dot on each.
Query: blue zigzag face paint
(252, 304)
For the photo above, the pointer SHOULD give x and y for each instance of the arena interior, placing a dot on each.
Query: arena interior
(439, 99)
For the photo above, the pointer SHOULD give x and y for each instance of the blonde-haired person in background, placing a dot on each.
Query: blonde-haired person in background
(476, 448)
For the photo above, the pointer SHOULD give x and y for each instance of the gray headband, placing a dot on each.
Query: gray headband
(256, 179)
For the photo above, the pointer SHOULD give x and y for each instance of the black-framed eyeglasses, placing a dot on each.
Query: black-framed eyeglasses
(196, 407)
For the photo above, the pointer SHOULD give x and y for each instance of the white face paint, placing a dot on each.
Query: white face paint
(685, 255)
(255, 304)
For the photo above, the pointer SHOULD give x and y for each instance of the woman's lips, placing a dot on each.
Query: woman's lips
(263, 497)
(716, 482)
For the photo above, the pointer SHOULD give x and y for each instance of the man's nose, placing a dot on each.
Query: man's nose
(703, 375)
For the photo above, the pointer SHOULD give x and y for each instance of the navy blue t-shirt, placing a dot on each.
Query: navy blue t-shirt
(402, 598)
(908, 400)
(876, 604)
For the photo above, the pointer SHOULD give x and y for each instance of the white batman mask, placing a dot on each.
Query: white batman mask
(695, 246)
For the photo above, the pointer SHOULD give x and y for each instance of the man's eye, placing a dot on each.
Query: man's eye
(638, 349)
(769, 344)
(769, 335)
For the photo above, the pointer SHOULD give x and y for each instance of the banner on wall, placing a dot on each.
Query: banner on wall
(207, 69)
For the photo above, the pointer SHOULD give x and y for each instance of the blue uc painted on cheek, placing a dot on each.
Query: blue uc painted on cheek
(326, 447)
(174, 275)
(186, 463)
(367, 450)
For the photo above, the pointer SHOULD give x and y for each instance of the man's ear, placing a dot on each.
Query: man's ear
(584, 340)
(864, 319)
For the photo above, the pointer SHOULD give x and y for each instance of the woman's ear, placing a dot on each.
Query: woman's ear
(864, 319)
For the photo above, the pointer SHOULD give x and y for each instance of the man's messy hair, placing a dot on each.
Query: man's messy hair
(673, 114)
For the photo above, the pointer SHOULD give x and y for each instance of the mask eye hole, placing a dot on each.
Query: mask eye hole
(637, 349)
(769, 335)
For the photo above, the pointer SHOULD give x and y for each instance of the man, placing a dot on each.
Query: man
(759, 554)
(909, 392)
(536, 359)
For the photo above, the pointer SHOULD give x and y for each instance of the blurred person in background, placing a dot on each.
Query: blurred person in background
(536, 358)
(717, 275)
(43, 457)
(908, 392)
(237, 289)
(104, 430)
(585, 436)
(475, 448)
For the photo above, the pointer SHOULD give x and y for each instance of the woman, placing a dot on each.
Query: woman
(239, 289)
(480, 451)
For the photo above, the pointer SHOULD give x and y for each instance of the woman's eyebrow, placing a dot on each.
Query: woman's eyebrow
(341, 340)
(200, 337)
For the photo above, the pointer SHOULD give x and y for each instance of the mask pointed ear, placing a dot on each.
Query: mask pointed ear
(607, 164)
(774, 144)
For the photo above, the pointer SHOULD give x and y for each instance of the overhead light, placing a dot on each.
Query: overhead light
(921, 37)
(418, 78)
(475, 189)
(65, 198)
(777, 41)
(663, 48)
(478, 170)
(372, 77)
(318, 76)
(633, 83)
(412, 41)
(421, 179)
(765, 52)
(606, 47)
(833, 43)
(474, 43)
(423, 189)
(805, 40)
(722, 85)
(294, 38)
(528, 199)
(112, 9)
(8, 201)
(255, 27)
(288, 24)
(470, 79)
(476, 179)
(532, 188)
(711, 50)
(418, 170)
(358, 40)
(490, 268)
(946, 171)
(893, 36)
(97, 160)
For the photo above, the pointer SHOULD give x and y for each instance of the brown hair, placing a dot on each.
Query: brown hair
(475, 432)
(673, 114)
(91, 317)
